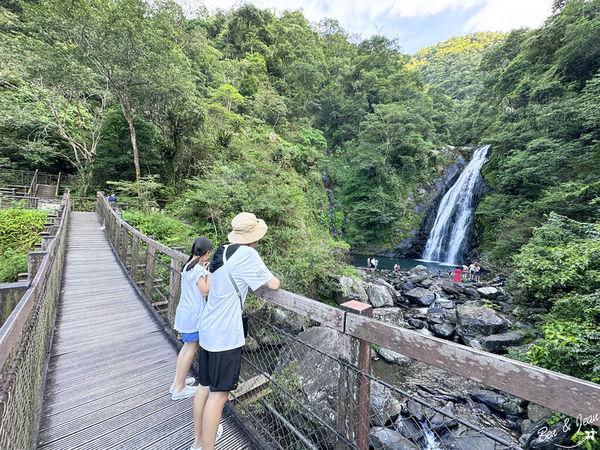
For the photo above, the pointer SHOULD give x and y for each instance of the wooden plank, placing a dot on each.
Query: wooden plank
(120, 343)
(320, 312)
(556, 391)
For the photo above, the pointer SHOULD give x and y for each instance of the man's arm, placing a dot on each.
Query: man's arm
(273, 283)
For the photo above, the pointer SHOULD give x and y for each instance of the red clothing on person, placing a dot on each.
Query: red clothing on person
(457, 275)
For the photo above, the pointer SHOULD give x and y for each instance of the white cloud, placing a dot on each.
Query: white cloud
(360, 16)
(508, 15)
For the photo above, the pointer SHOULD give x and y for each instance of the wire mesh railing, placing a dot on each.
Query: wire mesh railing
(305, 394)
(308, 380)
(24, 342)
(22, 178)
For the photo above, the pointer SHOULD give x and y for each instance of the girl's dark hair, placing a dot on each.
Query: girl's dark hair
(200, 247)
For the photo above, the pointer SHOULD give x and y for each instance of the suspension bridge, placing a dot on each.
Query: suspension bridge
(87, 355)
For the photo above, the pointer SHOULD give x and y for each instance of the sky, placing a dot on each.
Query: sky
(415, 24)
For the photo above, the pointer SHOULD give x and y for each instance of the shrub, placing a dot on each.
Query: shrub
(19, 232)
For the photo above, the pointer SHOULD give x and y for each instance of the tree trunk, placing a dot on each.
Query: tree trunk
(88, 173)
(126, 107)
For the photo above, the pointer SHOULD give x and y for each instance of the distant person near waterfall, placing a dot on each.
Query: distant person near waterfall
(457, 278)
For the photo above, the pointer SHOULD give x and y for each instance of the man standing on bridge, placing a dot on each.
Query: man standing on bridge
(234, 268)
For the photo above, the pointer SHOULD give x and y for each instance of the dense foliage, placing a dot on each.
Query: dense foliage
(237, 110)
(19, 232)
(535, 96)
(559, 269)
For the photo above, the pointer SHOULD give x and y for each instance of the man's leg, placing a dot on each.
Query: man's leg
(211, 418)
(202, 393)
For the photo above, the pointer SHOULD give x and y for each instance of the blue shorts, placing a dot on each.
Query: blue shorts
(190, 337)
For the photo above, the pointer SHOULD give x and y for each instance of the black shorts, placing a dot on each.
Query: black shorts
(219, 370)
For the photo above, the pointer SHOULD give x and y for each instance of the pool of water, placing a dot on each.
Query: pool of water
(404, 263)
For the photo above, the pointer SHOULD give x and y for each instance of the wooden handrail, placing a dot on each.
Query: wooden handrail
(563, 393)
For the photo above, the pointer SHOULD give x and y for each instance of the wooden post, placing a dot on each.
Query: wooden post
(135, 256)
(34, 260)
(46, 239)
(124, 244)
(149, 281)
(174, 286)
(363, 361)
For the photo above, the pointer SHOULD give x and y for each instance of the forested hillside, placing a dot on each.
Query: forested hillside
(245, 109)
(238, 110)
(537, 101)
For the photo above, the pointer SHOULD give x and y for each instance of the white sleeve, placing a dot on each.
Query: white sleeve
(198, 271)
(255, 273)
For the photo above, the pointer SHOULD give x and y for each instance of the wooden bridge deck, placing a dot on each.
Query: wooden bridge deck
(111, 365)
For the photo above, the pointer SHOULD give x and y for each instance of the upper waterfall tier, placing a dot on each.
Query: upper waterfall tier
(449, 236)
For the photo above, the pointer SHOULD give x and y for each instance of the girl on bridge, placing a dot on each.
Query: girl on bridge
(195, 283)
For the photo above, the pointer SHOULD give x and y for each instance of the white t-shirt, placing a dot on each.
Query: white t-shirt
(191, 302)
(221, 323)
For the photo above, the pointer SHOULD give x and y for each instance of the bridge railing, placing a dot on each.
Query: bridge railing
(316, 388)
(24, 177)
(24, 342)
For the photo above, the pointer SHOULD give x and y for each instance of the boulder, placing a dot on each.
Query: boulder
(470, 292)
(287, 320)
(440, 423)
(416, 323)
(251, 344)
(420, 296)
(426, 283)
(475, 320)
(352, 289)
(547, 437)
(392, 356)
(449, 315)
(489, 292)
(379, 295)
(417, 274)
(385, 408)
(505, 404)
(435, 316)
(497, 343)
(536, 412)
(472, 440)
(444, 303)
(410, 429)
(406, 287)
(450, 288)
(318, 379)
(415, 410)
(388, 439)
(391, 315)
(444, 330)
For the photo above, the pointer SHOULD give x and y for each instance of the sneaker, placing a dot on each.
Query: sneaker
(219, 433)
(186, 392)
(188, 382)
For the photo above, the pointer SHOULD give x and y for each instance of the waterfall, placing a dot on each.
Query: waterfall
(449, 235)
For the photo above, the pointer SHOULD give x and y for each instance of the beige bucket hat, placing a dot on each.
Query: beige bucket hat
(246, 229)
